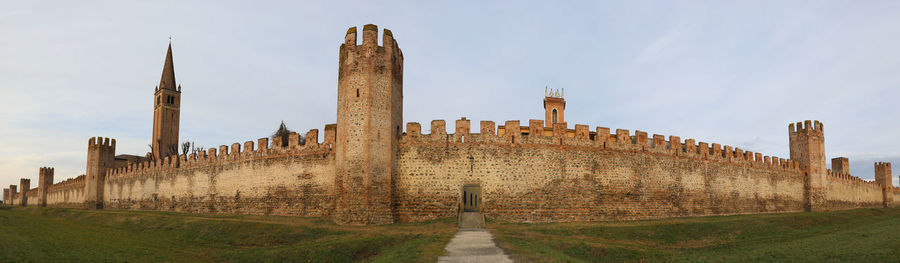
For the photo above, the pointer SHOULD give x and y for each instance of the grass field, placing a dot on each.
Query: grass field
(72, 235)
(861, 235)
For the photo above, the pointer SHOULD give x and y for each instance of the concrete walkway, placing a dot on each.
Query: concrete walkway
(473, 245)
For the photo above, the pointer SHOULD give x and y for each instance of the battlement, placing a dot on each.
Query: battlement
(45, 171)
(97, 142)
(237, 152)
(846, 178)
(581, 136)
(370, 37)
(806, 127)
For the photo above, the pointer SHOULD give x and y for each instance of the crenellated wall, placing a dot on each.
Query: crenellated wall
(578, 175)
(848, 192)
(293, 180)
(68, 193)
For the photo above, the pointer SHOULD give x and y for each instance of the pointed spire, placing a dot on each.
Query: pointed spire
(167, 81)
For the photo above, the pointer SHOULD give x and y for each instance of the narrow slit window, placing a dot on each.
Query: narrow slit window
(554, 115)
(357, 93)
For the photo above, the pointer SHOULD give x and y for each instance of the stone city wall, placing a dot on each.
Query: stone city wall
(293, 180)
(578, 175)
(845, 191)
(68, 193)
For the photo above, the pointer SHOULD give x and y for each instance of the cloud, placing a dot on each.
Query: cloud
(730, 73)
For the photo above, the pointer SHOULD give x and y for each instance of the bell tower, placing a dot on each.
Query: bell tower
(166, 111)
(369, 116)
(554, 107)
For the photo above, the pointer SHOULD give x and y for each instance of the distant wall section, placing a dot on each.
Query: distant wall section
(294, 180)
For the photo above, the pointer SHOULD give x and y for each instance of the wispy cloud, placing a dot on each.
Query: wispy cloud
(734, 73)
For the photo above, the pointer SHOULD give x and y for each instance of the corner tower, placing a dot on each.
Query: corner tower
(807, 143)
(369, 117)
(554, 107)
(166, 111)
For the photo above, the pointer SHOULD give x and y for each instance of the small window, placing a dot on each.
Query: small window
(157, 101)
(357, 93)
(554, 115)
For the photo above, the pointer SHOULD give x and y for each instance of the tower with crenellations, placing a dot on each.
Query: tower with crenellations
(45, 180)
(100, 157)
(369, 119)
(884, 180)
(807, 146)
(166, 111)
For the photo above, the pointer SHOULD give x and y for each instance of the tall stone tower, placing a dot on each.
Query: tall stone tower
(101, 156)
(166, 105)
(45, 180)
(554, 107)
(12, 194)
(883, 179)
(807, 142)
(369, 117)
(26, 187)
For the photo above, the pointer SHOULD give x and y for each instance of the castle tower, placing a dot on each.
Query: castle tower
(369, 117)
(12, 194)
(6, 198)
(840, 165)
(166, 105)
(554, 107)
(883, 179)
(101, 156)
(45, 180)
(807, 143)
(26, 187)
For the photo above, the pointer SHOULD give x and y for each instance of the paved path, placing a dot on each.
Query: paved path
(473, 245)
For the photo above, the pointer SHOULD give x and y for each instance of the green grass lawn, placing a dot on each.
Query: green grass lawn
(73, 235)
(861, 235)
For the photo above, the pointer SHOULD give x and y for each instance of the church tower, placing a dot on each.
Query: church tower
(369, 116)
(166, 105)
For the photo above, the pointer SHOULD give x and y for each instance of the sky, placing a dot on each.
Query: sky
(729, 72)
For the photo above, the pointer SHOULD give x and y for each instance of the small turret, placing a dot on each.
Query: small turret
(554, 107)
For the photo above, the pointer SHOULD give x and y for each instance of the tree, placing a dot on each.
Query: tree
(149, 155)
(186, 146)
(285, 133)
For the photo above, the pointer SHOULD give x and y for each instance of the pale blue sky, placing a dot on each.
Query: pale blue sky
(729, 72)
